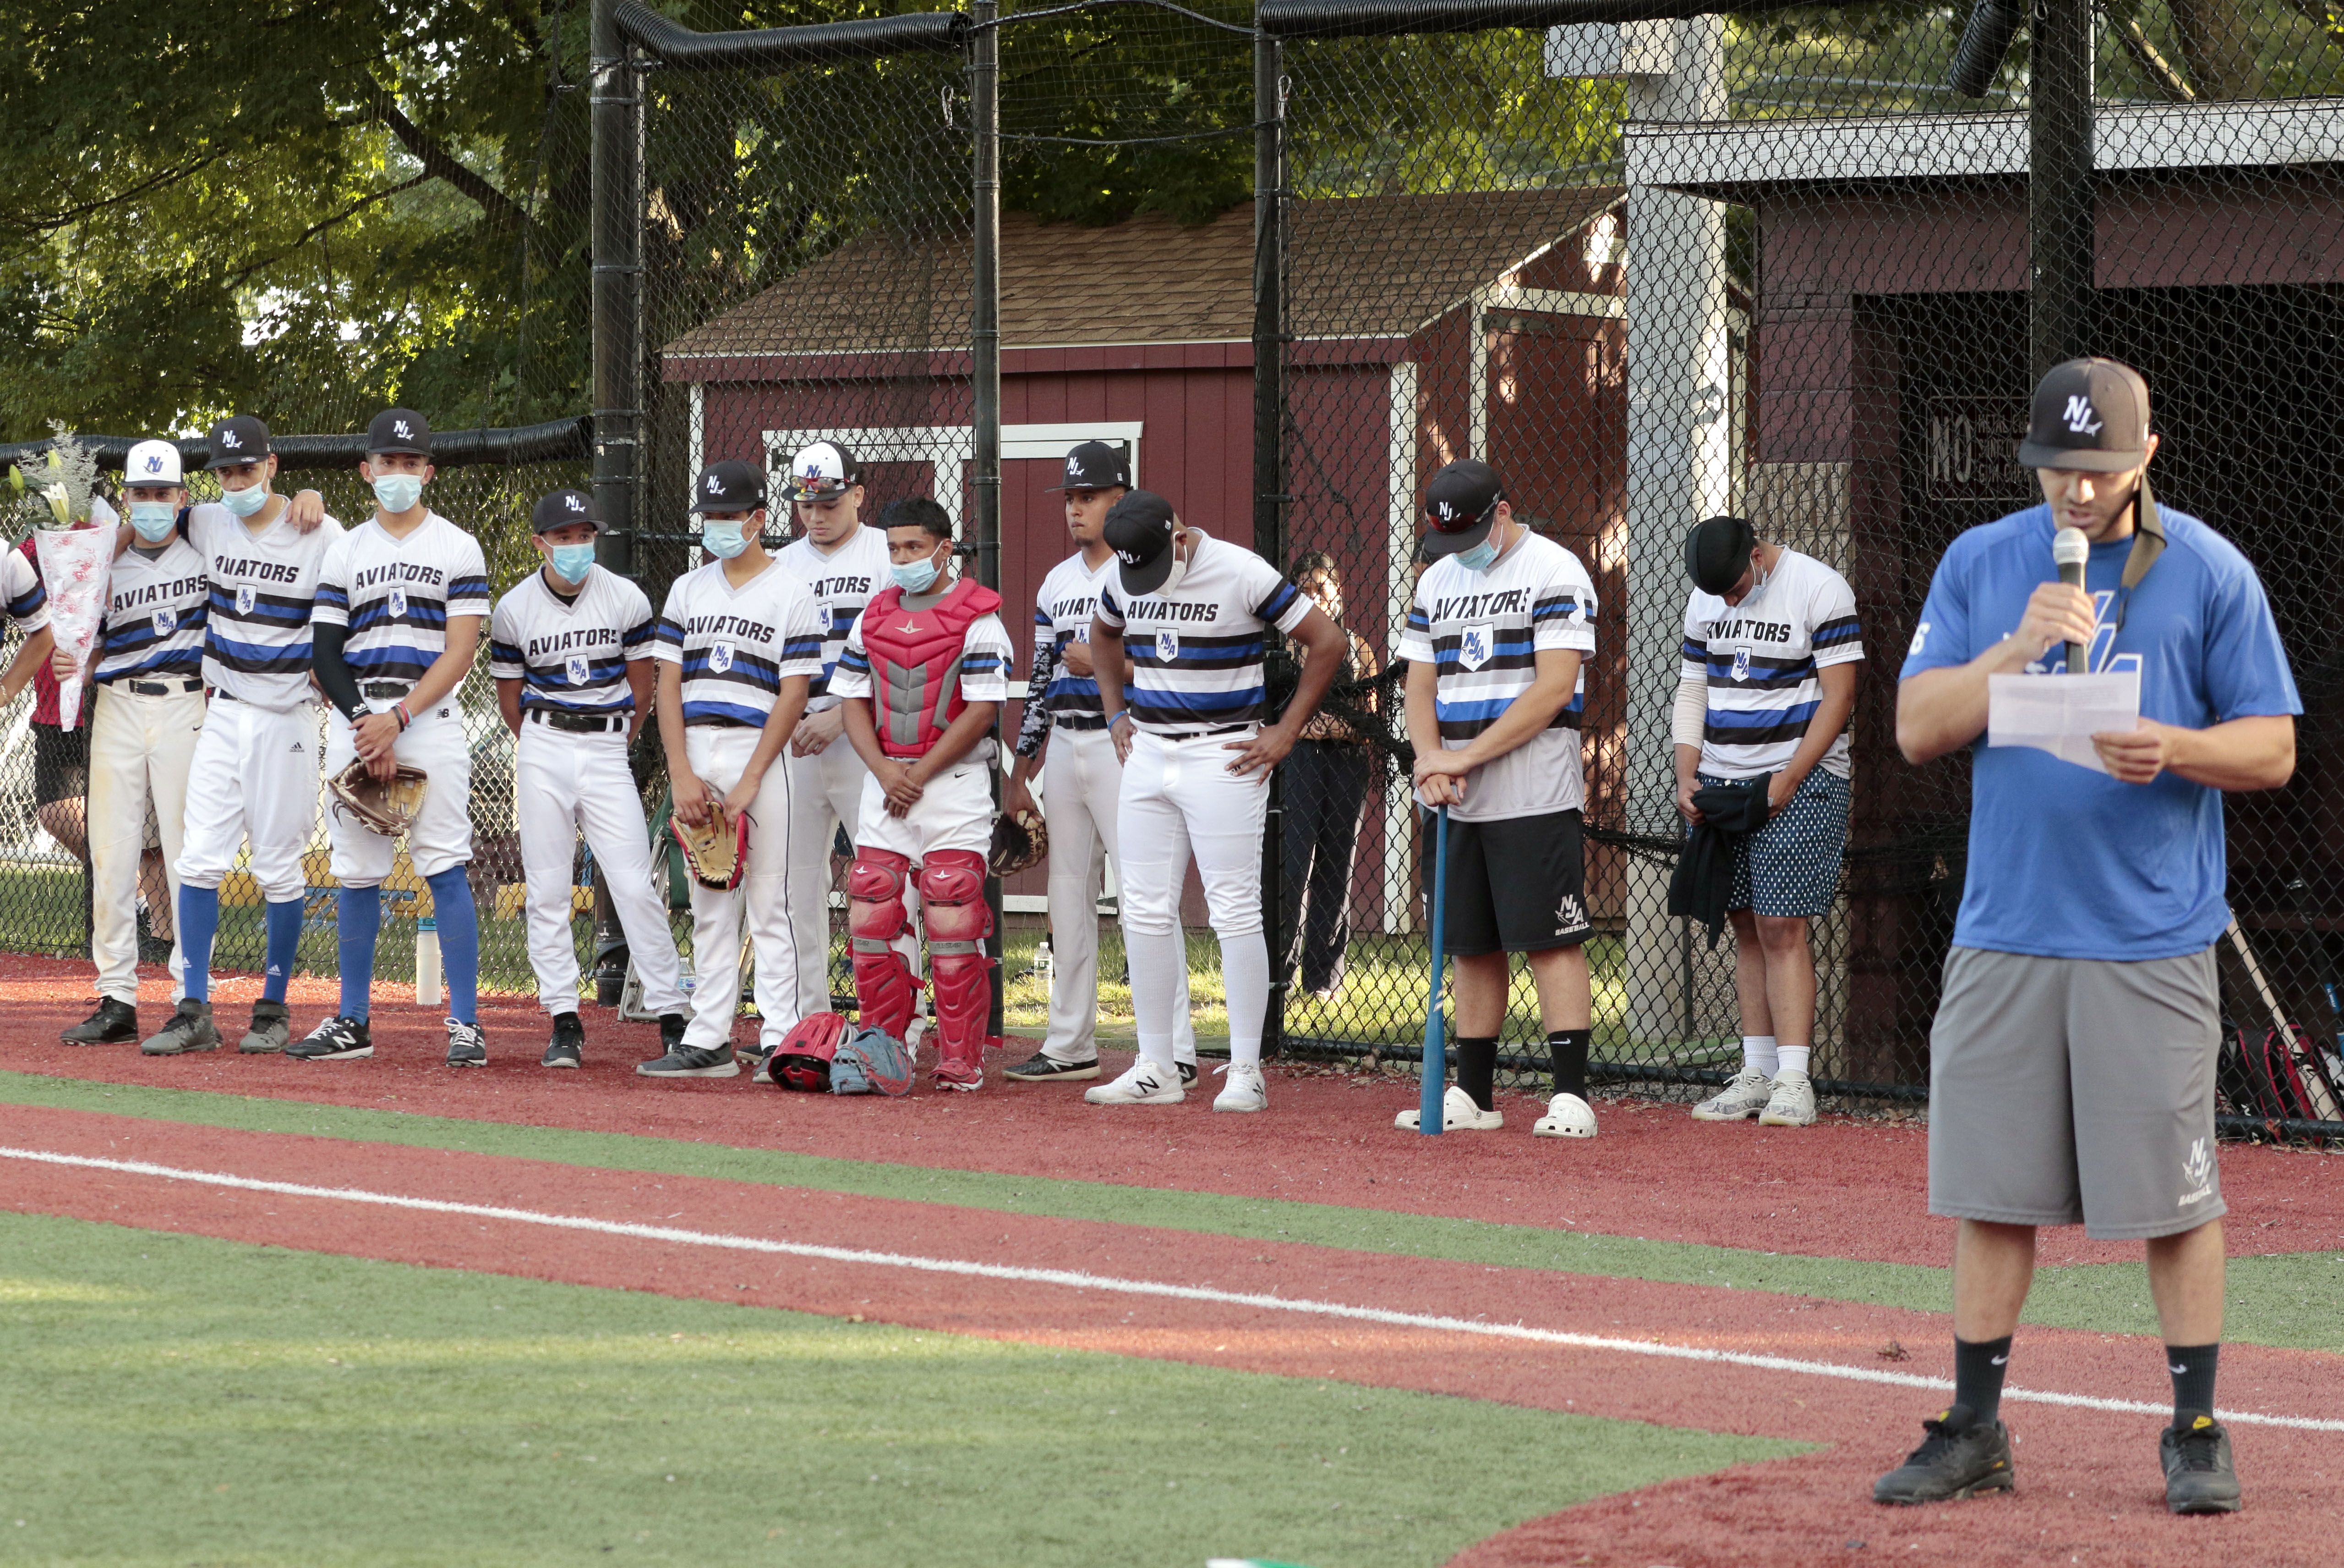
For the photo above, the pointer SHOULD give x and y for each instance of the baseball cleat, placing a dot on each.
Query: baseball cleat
(568, 1045)
(271, 1030)
(467, 1046)
(1458, 1114)
(190, 1029)
(1961, 1457)
(336, 1039)
(2199, 1475)
(1145, 1084)
(1246, 1089)
(1744, 1096)
(1793, 1103)
(691, 1061)
(1042, 1068)
(1567, 1116)
(954, 1075)
(671, 1031)
(114, 1023)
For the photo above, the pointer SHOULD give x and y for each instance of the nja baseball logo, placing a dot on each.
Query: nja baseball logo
(395, 603)
(154, 462)
(1475, 644)
(720, 657)
(2082, 417)
(167, 619)
(1167, 647)
(246, 597)
(1741, 664)
(2196, 1174)
(580, 669)
(1569, 915)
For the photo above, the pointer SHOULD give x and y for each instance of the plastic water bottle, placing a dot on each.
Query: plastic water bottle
(427, 962)
(1045, 964)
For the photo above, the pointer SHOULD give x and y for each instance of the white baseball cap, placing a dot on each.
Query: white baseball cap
(153, 463)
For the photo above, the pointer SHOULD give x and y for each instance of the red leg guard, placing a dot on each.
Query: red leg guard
(884, 985)
(952, 900)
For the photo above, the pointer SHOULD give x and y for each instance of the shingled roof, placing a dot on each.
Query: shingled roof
(1365, 266)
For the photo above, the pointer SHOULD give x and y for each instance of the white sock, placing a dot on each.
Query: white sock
(1794, 1059)
(1245, 978)
(1758, 1055)
(1155, 958)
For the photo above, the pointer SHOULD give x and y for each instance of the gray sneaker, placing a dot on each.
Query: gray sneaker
(190, 1029)
(2199, 1475)
(271, 1030)
(1960, 1458)
(1744, 1096)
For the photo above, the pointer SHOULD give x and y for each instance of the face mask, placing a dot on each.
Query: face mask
(915, 576)
(245, 502)
(1179, 569)
(396, 493)
(573, 562)
(722, 540)
(153, 519)
(1478, 559)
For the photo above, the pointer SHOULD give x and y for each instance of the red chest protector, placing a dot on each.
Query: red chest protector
(916, 657)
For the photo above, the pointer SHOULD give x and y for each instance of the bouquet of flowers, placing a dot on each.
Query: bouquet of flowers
(77, 561)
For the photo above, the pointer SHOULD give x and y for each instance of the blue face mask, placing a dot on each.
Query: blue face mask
(397, 493)
(245, 502)
(915, 576)
(153, 519)
(573, 562)
(722, 538)
(1479, 557)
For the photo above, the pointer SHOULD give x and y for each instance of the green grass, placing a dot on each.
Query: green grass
(175, 1399)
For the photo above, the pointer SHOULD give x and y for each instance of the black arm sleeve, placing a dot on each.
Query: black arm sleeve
(341, 688)
(1033, 719)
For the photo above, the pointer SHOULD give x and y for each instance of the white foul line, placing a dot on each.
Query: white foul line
(1076, 1280)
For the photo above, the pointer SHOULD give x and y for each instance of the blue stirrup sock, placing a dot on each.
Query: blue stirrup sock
(199, 924)
(459, 941)
(284, 945)
(358, 921)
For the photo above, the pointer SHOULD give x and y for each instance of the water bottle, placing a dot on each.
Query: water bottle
(1045, 964)
(427, 962)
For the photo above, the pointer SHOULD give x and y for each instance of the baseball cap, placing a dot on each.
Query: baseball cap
(2088, 414)
(1717, 552)
(1461, 503)
(399, 431)
(1139, 531)
(819, 472)
(559, 508)
(731, 486)
(1097, 465)
(153, 463)
(238, 438)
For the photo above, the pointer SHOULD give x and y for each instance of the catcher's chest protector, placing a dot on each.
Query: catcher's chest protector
(915, 656)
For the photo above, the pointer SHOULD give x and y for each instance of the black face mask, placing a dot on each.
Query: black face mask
(1717, 552)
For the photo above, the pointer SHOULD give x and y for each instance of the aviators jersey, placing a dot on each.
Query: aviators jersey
(1195, 652)
(398, 594)
(736, 646)
(257, 621)
(571, 656)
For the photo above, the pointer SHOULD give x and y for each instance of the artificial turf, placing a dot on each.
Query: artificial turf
(175, 1399)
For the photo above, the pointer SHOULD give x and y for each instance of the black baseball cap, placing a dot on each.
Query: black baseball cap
(731, 486)
(1097, 465)
(1139, 531)
(2088, 414)
(399, 430)
(1461, 503)
(1717, 552)
(559, 508)
(238, 438)
(819, 472)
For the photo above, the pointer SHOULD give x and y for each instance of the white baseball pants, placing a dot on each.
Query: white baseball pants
(441, 834)
(1081, 780)
(565, 783)
(825, 795)
(1179, 797)
(254, 779)
(718, 754)
(141, 750)
(954, 812)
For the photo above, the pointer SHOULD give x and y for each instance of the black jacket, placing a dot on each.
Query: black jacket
(1704, 874)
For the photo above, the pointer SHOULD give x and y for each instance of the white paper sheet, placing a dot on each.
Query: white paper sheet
(2061, 713)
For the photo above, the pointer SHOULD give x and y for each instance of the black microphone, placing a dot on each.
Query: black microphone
(2071, 549)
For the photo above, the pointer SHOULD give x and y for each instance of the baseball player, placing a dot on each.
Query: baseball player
(570, 647)
(923, 677)
(253, 779)
(1064, 731)
(1185, 617)
(843, 563)
(401, 600)
(738, 646)
(1496, 644)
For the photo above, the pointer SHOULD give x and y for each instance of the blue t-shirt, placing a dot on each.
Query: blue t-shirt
(2065, 863)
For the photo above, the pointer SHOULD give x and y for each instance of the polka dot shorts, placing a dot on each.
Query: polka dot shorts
(1791, 865)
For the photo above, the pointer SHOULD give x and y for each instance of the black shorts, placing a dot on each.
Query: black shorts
(60, 763)
(1515, 886)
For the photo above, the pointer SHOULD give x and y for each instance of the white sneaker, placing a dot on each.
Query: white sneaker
(1458, 1114)
(1246, 1091)
(1145, 1084)
(1567, 1116)
(1793, 1103)
(1743, 1097)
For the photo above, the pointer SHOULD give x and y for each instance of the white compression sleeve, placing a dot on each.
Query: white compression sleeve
(1245, 978)
(1689, 718)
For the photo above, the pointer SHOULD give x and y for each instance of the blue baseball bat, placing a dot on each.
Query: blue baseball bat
(1436, 1042)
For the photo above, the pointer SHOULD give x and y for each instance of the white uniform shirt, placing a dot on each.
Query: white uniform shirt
(736, 645)
(257, 626)
(1482, 633)
(985, 653)
(842, 582)
(1196, 653)
(155, 610)
(1069, 597)
(1761, 660)
(26, 600)
(572, 656)
(397, 595)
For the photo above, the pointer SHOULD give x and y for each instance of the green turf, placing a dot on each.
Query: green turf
(175, 1399)
(2282, 1300)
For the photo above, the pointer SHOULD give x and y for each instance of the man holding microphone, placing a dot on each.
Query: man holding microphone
(2072, 1061)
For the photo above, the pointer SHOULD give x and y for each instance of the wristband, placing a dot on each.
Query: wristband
(1121, 714)
(405, 717)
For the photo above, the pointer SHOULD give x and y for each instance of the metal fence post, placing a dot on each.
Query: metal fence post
(2059, 185)
(1269, 495)
(617, 198)
(984, 345)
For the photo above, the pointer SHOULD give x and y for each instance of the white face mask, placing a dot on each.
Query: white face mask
(1179, 569)
(245, 502)
(397, 493)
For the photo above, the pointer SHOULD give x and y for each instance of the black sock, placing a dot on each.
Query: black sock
(1978, 1372)
(1477, 1068)
(2192, 1367)
(1566, 1050)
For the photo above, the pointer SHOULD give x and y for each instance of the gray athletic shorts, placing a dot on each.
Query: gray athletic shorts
(2067, 1090)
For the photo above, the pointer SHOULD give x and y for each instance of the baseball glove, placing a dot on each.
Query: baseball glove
(384, 806)
(717, 850)
(1020, 841)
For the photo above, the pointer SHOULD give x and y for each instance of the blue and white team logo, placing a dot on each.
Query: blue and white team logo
(1741, 664)
(579, 669)
(1167, 647)
(395, 604)
(247, 596)
(167, 619)
(720, 657)
(1475, 644)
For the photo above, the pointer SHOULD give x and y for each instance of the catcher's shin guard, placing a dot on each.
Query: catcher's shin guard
(884, 985)
(952, 899)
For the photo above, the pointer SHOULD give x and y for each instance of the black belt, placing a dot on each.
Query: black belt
(390, 688)
(577, 723)
(161, 688)
(721, 724)
(1199, 734)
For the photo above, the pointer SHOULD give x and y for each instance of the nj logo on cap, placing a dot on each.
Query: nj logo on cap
(154, 462)
(230, 439)
(715, 486)
(2082, 417)
(573, 503)
(398, 428)
(1447, 513)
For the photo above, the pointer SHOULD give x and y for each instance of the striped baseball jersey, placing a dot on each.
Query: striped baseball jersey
(26, 601)
(1761, 660)
(841, 581)
(1195, 652)
(1062, 615)
(156, 605)
(1482, 633)
(571, 655)
(737, 645)
(257, 625)
(398, 594)
(984, 659)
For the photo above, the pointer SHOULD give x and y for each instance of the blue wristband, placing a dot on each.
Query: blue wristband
(1121, 714)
